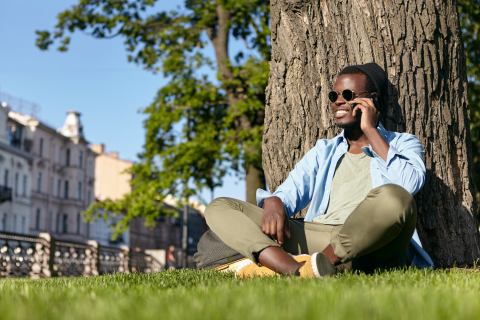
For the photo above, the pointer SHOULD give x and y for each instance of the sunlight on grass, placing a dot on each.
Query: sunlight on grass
(189, 294)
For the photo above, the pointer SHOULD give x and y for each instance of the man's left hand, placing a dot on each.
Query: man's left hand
(370, 114)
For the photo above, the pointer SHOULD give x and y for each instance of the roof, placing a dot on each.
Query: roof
(28, 120)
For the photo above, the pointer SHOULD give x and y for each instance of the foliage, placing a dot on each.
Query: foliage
(191, 294)
(198, 127)
(469, 11)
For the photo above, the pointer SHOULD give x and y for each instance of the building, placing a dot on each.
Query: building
(62, 176)
(15, 175)
(169, 231)
(112, 181)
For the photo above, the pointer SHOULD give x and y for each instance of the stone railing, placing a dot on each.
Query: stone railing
(43, 256)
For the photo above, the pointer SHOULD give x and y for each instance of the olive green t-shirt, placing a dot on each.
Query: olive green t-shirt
(350, 185)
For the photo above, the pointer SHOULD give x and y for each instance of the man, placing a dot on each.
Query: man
(171, 257)
(360, 187)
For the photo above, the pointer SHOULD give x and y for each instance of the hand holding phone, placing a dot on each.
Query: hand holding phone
(367, 110)
(374, 97)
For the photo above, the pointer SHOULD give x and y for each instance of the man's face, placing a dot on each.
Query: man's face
(343, 110)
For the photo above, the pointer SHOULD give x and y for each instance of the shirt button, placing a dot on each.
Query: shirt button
(321, 211)
(331, 171)
(339, 154)
(327, 191)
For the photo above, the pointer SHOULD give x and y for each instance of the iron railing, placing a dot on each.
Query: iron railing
(39, 257)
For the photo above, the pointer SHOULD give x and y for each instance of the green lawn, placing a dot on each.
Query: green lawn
(210, 295)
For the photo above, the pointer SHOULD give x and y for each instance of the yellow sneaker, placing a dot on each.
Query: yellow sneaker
(246, 269)
(316, 266)
(231, 266)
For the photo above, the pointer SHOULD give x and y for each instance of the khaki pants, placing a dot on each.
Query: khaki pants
(376, 234)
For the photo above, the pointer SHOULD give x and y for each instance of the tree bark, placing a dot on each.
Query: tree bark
(419, 45)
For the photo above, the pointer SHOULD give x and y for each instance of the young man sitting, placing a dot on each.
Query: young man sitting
(360, 187)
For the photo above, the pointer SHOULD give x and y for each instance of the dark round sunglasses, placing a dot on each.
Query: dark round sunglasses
(347, 94)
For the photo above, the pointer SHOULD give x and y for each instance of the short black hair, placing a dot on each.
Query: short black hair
(369, 85)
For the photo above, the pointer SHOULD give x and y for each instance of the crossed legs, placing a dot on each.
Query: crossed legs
(376, 234)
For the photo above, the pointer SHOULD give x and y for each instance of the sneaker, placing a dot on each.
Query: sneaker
(246, 269)
(316, 266)
(231, 266)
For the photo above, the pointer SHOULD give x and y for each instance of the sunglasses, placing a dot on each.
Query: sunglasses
(347, 94)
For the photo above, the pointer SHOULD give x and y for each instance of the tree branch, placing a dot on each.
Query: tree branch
(105, 36)
(190, 107)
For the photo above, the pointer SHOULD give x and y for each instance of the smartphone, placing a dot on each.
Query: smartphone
(374, 97)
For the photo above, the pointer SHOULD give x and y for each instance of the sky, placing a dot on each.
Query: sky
(93, 77)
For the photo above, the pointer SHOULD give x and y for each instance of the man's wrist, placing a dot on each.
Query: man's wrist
(370, 131)
(270, 199)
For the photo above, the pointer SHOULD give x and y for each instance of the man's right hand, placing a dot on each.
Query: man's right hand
(275, 222)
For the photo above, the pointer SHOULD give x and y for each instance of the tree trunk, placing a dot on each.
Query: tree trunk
(254, 179)
(419, 45)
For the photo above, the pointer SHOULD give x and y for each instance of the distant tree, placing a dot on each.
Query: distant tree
(197, 128)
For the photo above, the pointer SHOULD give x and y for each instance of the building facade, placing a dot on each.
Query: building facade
(62, 177)
(15, 175)
(111, 182)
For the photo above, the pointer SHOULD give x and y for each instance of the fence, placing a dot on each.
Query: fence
(43, 256)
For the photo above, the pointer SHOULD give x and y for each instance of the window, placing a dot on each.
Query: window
(65, 194)
(57, 227)
(17, 182)
(59, 188)
(65, 224)
(79, 191)
(14, 223)
(52, 186)
(4, 222)
(60, 156)
(14, 134)
(39, 182)
(40, 150)
(80, 159)
(22, 228)
(53, 152)
(5, 178)
(24, 185)
(67, 158)
(79, 221)
(88, 229)
(89, 197)
(37, 220)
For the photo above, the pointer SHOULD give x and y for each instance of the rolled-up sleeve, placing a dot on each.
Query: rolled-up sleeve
(404, 165)
(297, 190)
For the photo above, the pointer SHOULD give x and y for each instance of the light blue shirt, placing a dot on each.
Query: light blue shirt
(311, 179)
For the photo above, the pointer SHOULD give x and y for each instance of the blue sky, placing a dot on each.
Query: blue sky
(93, 77)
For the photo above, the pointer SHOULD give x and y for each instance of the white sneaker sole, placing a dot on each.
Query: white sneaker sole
(315, 266)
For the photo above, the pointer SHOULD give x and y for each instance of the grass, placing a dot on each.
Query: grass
(189, 294)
